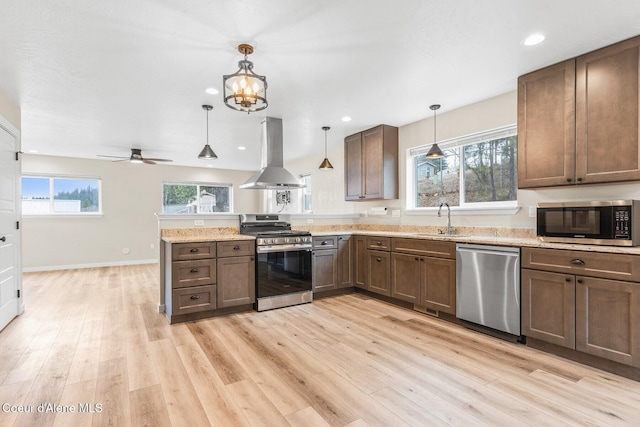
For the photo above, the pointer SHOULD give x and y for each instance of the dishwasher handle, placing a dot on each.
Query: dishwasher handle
(514, 252)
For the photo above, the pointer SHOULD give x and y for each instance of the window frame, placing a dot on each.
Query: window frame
(497, 207)
(198, 184)
(52, 213)
(306, 191)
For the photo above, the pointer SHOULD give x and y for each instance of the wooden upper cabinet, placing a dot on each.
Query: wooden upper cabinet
(607, 109)
(371, 164)
(546, 126)
(578, 121)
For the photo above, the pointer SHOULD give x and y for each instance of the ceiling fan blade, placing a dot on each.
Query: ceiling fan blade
(114, 157)
(158, 160)
(148, 161)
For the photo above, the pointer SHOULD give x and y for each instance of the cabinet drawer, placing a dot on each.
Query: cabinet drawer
(193, 273)
(194, 299)
(236, 248)
(433, 248)
(200, 250)
(379, 243)
(325, 242)
(593, 264)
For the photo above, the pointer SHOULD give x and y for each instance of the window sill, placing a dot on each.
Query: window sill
(208, 215)
(305, 215)
(66, 216)
(457, 210)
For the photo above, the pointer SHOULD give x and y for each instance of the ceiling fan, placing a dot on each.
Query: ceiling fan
(136, 157)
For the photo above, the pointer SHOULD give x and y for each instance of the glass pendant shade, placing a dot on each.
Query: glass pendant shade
(207, 152)
(245, 90)
(326, 164)
(434, 152)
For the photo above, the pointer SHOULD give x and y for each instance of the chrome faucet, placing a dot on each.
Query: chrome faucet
(448, 215)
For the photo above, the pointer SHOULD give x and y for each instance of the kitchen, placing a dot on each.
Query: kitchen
(131, 198)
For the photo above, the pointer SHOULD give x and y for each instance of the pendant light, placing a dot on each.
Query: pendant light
(207, 152)
(326, 164)
(245, 90)
(434, 152)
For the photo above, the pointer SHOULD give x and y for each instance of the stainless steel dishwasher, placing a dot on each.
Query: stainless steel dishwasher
(488, 286)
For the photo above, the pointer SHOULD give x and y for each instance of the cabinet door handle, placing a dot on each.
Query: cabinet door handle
(236, 248)
(579, 180)
(568, 279)
(577, 261)
(417, 259)
(194, 250)
(360, 197)
(569, 179)
(195, 270)
(195, 296)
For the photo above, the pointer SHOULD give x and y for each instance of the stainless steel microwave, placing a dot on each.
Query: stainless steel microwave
(615, 222)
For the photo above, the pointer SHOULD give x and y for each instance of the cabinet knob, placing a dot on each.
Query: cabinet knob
(577, 261)
(195, 296)
(195, 270)
(379, 243)
(252, 258)
(324, 242)
(568, 279)
(579, 180)
(378, 259)
(417, 259)
(194, 250)
(236, 248)
(569, 180)
(580, 281)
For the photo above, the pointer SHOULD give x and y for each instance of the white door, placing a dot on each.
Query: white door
(10, 272)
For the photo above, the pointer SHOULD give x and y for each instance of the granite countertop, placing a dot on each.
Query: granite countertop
(206, 238)
(488, 240)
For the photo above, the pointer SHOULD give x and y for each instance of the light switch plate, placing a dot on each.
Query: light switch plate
(532, 211)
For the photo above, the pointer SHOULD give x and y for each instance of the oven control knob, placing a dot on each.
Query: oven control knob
(269, 241)
(286, 240)
(297, 240)
(260, 241)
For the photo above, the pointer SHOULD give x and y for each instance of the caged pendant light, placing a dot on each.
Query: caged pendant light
(245, 90)
(207, 152)
(326, 164)
(434, 152)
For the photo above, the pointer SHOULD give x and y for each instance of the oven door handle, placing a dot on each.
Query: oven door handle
(266, 250)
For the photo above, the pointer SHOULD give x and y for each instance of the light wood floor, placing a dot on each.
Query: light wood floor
(94, 336)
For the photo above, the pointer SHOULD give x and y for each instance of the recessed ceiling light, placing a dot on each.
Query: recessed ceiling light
(242, 148)
(533, 40)
(212, 91)
(346, 119)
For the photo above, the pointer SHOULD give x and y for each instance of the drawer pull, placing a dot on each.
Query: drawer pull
(195, 296)
(580, 281)
(236, 248)
(379, 243)
(567, 280)
(417, 259)
(324, 243)
(195, 270)
(194, 250)
(577, 261)
(378, 259)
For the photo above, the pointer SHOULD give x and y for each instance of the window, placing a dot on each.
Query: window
(194, 198)
(43, 195)
(306, 193)
(476, 169)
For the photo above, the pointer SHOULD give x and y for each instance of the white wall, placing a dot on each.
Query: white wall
(9, 110)
(131, 196)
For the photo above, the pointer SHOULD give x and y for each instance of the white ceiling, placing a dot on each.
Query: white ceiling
(100, 77)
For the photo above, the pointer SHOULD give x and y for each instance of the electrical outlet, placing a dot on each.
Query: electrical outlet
(395, 213)
(152, 246)
(199, 222)
(532, 211)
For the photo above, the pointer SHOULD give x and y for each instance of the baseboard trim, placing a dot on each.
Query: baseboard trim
(90, 265)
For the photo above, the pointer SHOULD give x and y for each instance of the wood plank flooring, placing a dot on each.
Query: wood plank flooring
(92, 340)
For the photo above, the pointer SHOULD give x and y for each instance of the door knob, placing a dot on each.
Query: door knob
(3, 239)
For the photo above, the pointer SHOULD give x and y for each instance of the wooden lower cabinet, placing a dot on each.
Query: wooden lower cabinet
(379, 272)
(592, 315)
(548, 307)
(608, 319)
(406, 274)
(439, 290)
(325, 270)
(360, 261)
(236, 281)
(345, 261)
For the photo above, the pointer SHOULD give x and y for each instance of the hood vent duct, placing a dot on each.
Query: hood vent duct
(272, 175)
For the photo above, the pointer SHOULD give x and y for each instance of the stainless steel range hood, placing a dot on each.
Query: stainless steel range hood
(272, 175)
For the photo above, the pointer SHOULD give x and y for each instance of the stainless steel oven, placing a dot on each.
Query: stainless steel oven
(283, 266)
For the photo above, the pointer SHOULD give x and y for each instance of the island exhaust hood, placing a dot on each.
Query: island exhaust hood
(272, 175)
